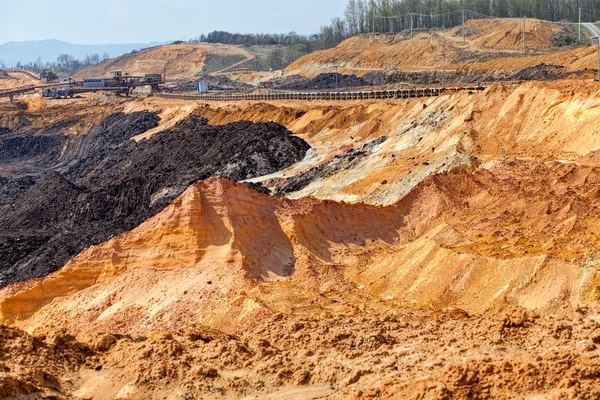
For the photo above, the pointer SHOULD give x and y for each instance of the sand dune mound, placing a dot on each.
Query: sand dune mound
(509, 233)
(66, 193)
(466, 220)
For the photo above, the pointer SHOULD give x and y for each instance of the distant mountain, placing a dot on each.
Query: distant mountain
(48, 50)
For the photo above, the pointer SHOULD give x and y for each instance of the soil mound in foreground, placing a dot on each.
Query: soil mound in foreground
(399, 353)
(104, 184)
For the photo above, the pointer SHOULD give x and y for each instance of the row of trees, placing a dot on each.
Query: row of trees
(363, 16)
(290, 46)
(281, 57)
(260, 39)
(64, 63)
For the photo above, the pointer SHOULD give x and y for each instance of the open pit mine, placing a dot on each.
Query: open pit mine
(172, 245)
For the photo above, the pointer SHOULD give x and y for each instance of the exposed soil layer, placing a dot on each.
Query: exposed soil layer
(399, 353)
(219, 82)
(549, 72)
(86, 189)
(520, 233)
(17, 148)
(492, 204)
(346, 161)
(12, 122)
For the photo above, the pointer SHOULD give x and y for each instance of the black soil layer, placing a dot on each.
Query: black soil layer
(99, 185)
(323, 81)
(549, 72)
(220, 82)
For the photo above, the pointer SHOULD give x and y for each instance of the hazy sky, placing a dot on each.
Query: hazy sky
(134, 21)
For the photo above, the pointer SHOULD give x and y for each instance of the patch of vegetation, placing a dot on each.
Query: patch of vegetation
(258, 63)
(216, 63)
(565, 38)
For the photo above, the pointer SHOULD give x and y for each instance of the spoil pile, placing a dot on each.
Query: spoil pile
(535, 238)
(103, 184)
(218, 82)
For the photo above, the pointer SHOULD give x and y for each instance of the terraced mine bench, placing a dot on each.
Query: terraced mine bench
(323, 96)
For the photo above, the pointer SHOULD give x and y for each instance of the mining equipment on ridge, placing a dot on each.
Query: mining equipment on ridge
(121, 84)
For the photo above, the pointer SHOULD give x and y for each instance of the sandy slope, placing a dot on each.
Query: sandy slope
(507, 34)
(516, 232)
(363, 54)
(498, 38)
(16, 79)
(176, 61)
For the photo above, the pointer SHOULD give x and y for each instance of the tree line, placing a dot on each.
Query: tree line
(260, 39)
(65, 63)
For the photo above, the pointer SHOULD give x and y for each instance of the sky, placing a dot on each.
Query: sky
(141, 21)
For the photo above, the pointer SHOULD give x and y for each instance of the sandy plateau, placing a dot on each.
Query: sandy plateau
(431, 248)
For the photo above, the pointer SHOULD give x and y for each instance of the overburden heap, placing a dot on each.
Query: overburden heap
(75, 192)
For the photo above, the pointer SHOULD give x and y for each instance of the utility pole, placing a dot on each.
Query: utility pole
(580, 24)
(596, 38)
(411, 25)
(524, 48)
(463, 26)
(336, 76)
(443, 55)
